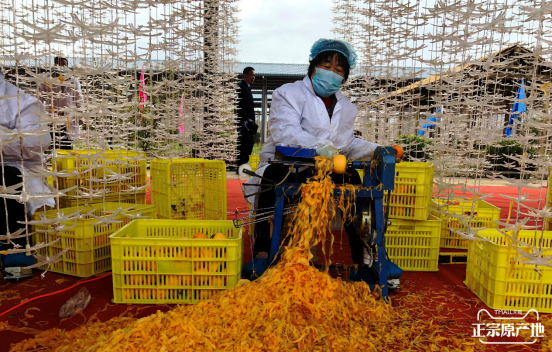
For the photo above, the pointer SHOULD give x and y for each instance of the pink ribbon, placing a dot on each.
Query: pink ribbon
(143, 96)
(180, 124)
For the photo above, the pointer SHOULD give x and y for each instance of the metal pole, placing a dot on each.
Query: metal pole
(277, 224)
(263, 116)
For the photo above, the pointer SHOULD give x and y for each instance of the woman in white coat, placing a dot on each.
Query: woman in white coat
(313, 113)
(20, 113)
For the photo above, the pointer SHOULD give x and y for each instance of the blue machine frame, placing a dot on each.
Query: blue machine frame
(379, 176)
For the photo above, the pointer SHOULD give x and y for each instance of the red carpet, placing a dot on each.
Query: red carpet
(438, 295)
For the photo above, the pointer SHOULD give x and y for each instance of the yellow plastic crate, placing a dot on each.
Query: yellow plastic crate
(484, 215)
(89, 251)
(413, 191)
(88, 172)
(67, 202)
(548, 223)
(159, 261)
(254, 162)
(414, 244)
(504, 283)
(189, 189)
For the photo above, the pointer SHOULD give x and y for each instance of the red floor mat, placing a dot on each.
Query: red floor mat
(440, 295)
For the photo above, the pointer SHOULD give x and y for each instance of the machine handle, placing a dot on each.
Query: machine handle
(249, 172)
(252, 174)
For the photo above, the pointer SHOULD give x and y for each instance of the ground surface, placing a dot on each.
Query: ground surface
(438, 295)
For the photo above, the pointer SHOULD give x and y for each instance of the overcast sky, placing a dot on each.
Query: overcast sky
(282, 31)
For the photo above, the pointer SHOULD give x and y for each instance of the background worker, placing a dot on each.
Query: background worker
(247, 128)
(63, 100)
(313, 113)
(21, 112)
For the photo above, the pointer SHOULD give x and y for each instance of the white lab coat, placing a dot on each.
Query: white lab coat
(20, 111)
(298, 118)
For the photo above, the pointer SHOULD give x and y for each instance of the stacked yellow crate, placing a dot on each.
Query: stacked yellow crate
(412, 239)
(105, 191)
(160, 261)
(177, 258)
(505, 279)
(96, 176)
(82, 236)
(456, 213)
(189, 189)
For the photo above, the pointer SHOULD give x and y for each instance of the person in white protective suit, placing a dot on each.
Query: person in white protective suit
(312, 113)
(63, 100)
(20, 112)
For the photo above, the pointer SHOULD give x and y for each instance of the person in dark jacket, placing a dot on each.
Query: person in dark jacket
(247, 128)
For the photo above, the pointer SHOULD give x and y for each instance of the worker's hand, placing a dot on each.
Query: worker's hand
(249, 126)
(328, 151)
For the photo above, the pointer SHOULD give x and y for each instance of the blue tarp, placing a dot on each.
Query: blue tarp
(516, 109)
(428, 124)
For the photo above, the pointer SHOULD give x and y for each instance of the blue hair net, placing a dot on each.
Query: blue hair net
(345, 48)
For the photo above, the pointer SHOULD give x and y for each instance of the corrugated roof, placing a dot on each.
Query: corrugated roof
(261, 68)
(273, 69)
(300, 70)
